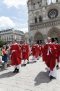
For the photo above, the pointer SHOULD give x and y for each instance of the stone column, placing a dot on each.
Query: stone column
(44, 2)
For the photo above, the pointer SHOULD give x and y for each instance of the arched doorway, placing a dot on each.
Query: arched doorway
(38, 38)
(54, 33)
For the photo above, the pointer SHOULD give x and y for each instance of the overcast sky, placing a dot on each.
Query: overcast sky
(13, 13)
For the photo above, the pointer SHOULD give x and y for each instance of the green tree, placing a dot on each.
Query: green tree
(2, 43)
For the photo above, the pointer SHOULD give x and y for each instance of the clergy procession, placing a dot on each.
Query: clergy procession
(17, 55)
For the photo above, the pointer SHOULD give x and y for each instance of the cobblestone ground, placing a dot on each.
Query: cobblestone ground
(33, 77)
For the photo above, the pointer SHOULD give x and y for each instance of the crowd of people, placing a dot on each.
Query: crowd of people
(49, 51)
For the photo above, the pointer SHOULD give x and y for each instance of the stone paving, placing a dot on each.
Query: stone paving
(33, 77)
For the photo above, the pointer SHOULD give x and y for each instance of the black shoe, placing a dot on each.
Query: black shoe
(51, 78)
(57, 67)
(15, 70)
(24, 64)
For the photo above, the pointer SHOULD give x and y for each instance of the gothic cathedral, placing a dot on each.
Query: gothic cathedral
(43, 20)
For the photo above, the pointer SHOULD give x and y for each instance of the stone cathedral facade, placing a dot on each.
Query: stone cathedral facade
(43, 20)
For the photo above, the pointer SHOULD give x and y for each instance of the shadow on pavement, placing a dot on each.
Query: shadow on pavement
(23, 65)
(32, 62)
(2, 70)
(42, 77)
(9, 74)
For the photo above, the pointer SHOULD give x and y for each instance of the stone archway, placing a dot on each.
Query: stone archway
(38, 38)
(54, 33)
